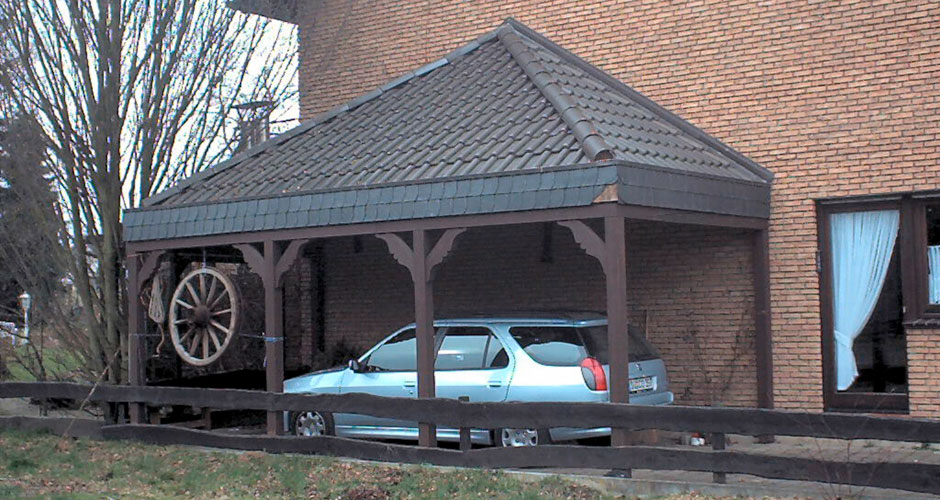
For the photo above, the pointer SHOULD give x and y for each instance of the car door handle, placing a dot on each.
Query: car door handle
(495, 383)
(410, 384)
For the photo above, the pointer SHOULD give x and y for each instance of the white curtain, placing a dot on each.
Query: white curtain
(862, 243)
(933, 259)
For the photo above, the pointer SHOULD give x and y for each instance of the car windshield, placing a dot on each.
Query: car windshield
(568, 346)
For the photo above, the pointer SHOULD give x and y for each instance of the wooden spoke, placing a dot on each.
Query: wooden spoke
(219, 326)
(203, 316)
(215, 339)
(187, 334)
(194, 343)
(192, 292)
(210, 297)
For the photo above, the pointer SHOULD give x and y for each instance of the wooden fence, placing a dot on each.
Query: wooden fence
(918, 477)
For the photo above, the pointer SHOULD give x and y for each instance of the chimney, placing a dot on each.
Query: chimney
(254, 123)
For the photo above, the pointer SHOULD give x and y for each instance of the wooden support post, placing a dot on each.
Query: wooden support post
(611, 251)
(718, 443)
(465, 444)
(140, 268)
(424, 330)
(615, 257)
(763, 333)
(207, 419)
(273, 334)
(421, 259)
(270, 265)
(137, 326)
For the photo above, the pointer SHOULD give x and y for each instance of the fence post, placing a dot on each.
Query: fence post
(718, 443)
(465, 444)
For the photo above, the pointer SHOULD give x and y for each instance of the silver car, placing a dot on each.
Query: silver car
(540, 358)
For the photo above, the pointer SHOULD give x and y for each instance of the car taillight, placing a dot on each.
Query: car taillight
(594, 375)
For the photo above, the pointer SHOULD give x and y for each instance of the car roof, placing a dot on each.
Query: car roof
(567, 318)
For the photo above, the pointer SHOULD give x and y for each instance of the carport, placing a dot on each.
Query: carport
(509, 129)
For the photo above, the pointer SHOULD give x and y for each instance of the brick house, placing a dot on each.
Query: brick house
(838, 101)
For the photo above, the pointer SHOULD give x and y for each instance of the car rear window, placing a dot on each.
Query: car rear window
(568, 346)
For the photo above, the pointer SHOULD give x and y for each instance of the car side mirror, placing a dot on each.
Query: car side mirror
(355, 365)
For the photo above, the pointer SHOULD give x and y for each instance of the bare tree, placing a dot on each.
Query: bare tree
(131, 96)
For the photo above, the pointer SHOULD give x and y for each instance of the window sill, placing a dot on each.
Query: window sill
(926, 323)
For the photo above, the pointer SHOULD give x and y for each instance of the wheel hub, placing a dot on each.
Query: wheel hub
(201, 316)
(519, 437)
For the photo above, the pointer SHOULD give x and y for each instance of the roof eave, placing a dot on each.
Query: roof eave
(281, 10)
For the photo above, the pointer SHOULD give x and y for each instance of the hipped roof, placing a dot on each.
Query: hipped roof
(508, 122)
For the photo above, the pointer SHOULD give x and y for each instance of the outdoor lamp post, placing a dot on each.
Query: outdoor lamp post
(25, 301)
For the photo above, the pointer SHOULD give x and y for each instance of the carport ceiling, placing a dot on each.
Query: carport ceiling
(509, 122)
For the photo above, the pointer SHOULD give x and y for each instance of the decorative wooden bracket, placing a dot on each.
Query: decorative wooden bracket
(588, 240)
(282, 260)
(404, 254)
(149, 262)
(286, 259)
(253, 257)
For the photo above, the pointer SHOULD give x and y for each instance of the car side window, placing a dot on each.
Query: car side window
(470, 348)
(398, 354)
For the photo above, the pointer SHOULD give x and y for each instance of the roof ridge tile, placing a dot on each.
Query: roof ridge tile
(594, 145)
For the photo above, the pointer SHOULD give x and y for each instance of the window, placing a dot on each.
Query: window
(932, 234)
(879, 274)
(398, 354)
(470, 348)
(568, 346)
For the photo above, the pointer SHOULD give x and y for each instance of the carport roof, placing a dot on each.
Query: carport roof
(508, 122)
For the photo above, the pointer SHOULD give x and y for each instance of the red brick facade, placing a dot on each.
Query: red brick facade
(836, 98)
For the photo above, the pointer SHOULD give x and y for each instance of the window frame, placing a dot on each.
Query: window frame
(368, 357)
(921, 310)
(441, 335)
(908, 239)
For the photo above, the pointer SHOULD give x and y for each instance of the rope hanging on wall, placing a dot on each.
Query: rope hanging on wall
(156, 311)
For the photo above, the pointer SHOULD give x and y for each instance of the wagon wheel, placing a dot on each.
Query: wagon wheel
(203, 316)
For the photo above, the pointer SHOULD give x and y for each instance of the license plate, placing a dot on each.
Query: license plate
(642, 384)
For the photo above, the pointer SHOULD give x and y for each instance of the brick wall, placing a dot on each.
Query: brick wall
(923, 353)
(675, 273)
(836, 98)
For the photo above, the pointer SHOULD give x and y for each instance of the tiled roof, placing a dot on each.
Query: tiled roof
(510, 105)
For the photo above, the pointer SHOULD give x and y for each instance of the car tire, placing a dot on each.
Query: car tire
(513, 438)
(311, 423)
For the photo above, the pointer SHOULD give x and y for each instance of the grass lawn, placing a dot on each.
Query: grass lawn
(59, 363)
(45, 466)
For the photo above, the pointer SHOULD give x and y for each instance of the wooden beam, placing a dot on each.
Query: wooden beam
(615, 251)
(456, 414)
(424, 330)
(137, 328)
(611, 252)
(763, 333)
(920, 477)
(273, 332)
(421, 259)
(270, 264)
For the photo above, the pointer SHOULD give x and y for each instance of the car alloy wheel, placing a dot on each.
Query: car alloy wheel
(511, 438)
(310, 423)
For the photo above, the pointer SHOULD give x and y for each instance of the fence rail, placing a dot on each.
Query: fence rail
(919, 477)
